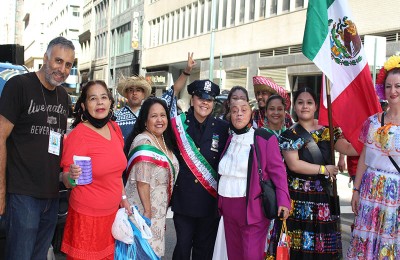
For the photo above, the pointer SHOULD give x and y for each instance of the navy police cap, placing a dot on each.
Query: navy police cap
(204, 89)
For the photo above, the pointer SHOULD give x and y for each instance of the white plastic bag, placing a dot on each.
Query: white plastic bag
(140, 223)
(220, 252)
(121, 228)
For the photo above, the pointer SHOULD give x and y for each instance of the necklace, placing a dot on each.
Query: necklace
(47, 109)
(158, 143)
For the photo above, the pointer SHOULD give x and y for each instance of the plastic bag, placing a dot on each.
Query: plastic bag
(121, 228)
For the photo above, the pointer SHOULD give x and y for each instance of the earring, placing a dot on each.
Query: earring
(83, 118)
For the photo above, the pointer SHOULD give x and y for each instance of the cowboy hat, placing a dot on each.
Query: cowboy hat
(134, 81)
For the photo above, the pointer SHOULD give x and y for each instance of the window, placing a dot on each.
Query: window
(241, 11)
(209, 8)
(183, 22)
(236, 78)
(195, 13)
(285, 6)
(216, 12)
(252, 7)
(114, 9)
(75, 11)
(178, 25)
(299, 4)
(201, 17)
(224, 7)
(123, 43)
(135, 2)
(233, 8)
(273, 7)
(124, 5)
(262, 8)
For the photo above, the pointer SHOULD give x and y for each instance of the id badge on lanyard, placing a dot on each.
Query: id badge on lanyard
(54, 143)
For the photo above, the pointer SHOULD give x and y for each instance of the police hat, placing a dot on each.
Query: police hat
(204, 89)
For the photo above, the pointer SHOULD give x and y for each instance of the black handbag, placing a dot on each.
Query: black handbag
(268, 194)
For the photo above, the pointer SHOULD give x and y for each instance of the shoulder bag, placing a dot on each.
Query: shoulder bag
(316, 155)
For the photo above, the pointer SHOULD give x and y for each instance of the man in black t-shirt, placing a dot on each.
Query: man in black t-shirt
(33, 120)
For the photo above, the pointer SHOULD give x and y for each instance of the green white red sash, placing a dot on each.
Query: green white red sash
(151, 154)
(196, 162)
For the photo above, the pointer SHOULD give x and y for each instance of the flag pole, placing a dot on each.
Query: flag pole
(332, 144)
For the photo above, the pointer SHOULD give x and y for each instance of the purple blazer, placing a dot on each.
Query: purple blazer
(273, 168)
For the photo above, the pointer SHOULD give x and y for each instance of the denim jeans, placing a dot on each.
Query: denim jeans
(30, 225)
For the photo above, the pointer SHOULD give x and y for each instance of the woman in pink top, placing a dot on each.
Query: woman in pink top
(92, 207)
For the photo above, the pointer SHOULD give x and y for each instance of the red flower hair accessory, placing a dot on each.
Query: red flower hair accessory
(392, 63)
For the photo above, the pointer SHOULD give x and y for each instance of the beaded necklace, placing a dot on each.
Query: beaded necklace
(158, 143)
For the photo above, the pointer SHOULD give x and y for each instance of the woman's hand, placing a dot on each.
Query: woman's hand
(284, 210)
(125, 204)
(74, 172)
(354, 202)
(331, 170)
(341, 163)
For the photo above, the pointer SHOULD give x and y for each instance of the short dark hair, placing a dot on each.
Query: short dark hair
(59, 41)
(78, 111)
(140, 125)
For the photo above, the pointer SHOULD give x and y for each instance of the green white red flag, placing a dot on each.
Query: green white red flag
(331, 41)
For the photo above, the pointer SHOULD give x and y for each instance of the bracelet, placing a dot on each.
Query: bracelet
(322, 167)
(185, 73)
(355, 189)
(124, 197)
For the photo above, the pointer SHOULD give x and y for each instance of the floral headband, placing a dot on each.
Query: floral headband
(392, 63)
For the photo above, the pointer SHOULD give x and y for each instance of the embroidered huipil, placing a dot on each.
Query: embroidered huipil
(126, 119)
(233, 166)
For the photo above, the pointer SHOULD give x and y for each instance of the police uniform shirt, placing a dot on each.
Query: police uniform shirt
(189, 196)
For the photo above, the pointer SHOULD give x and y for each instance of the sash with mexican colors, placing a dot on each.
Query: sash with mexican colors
(196, 162)
(151, 154)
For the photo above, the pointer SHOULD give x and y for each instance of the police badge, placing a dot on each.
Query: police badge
(215, 143)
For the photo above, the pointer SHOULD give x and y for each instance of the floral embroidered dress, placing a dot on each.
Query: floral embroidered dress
(376, 228)
(312, 229)
(159, 180)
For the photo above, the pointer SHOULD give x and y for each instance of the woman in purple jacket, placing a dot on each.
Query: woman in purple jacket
(239, 188)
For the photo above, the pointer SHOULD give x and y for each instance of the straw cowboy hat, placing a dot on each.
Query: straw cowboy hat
(134, 81)
(261, 83)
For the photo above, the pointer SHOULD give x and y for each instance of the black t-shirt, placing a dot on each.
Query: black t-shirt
(34, 111)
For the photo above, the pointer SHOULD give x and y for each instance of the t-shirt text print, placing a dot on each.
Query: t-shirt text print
(52, 121)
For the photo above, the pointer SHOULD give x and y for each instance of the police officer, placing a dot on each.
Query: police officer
(201, 140)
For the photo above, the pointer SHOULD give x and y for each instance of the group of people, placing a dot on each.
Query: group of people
(201, 166)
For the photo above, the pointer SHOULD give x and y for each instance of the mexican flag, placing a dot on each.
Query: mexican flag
(331, 41)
